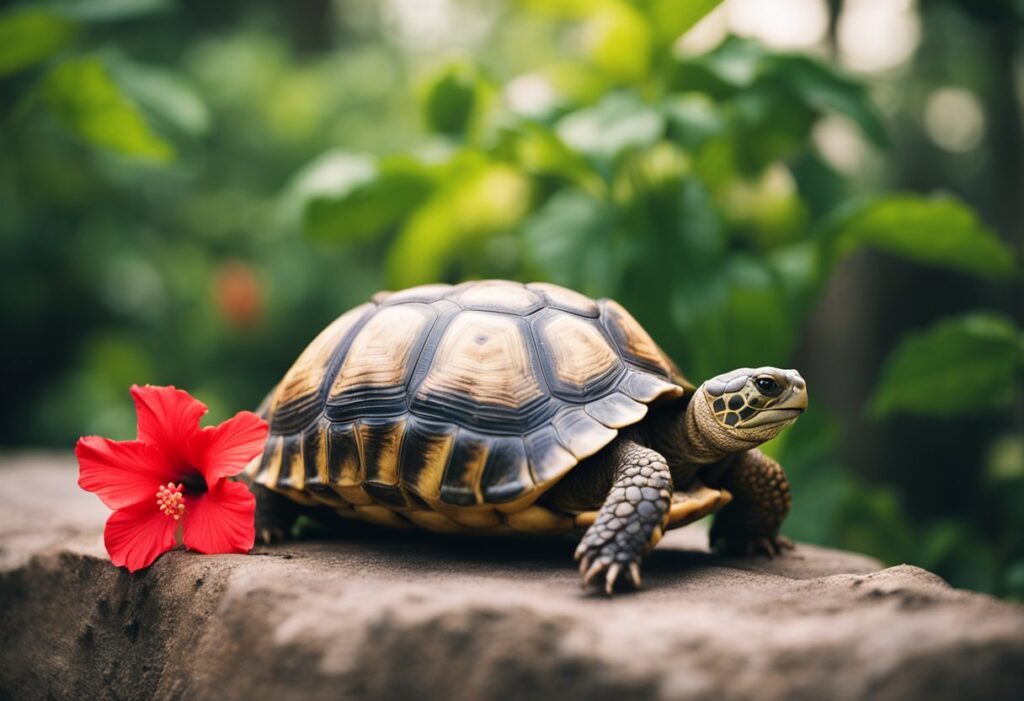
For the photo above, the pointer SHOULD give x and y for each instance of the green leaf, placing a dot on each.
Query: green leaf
(673, 18)
(482, 200)
(108, 10)
(692, 119)
(769, 125)
(617, 39)
(618, 123)
(821, 87)
(568, 239)
(162, 93)
(353, 198)
(83, 97)
(562, 8)
(733, 65)
(939, 230)
(451, 99)
(730, 313)
(543, 155)
(28, 37)
(959, 366)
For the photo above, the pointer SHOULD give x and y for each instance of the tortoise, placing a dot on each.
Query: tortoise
(502, 407)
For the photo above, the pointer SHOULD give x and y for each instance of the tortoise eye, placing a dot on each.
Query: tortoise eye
(768, 386)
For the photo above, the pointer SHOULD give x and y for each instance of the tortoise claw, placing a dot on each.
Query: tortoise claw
(771, 546)
(269, 536)
(593, 571)
(634, 574)
(609, 580)
(592, 567)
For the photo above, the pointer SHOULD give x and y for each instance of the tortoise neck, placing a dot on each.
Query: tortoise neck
(695, 437)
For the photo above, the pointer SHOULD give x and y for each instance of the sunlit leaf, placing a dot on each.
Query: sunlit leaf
(766, 210)
(363, 199)
(673, 18)
(162, 93)
(959, 366)
(939, 230)
(473, 205)
(542, 154)
(617, 123)
(564, 8)
(30, 36)
(617, 39)
(81, 94)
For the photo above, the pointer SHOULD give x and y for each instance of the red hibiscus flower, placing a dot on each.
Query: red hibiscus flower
(174, 474)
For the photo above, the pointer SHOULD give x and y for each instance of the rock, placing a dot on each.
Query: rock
(396, 615)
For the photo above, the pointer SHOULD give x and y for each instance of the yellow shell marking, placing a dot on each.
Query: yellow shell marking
(435, 454)
(484, 357)
(270, 477)
(322, 466)
(566, 298)
(384, 460)
(379, 354)
(499, 294)
(296, 468)
(636, 340)
(579, 352)
(307, 374)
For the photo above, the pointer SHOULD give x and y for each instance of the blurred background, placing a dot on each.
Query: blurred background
(190, 191)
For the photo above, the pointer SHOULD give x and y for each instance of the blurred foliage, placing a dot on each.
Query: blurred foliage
(189, 192)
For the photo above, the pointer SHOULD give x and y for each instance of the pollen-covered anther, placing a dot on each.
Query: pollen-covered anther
(170, 500)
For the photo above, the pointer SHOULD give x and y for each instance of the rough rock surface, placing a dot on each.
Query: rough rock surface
(409, 616)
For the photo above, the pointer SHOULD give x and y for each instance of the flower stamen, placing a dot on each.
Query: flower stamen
(170, 500)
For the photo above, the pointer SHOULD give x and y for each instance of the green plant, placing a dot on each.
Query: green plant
(687, 187)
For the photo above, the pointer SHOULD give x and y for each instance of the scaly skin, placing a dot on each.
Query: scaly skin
(760, 503)
(632, 519)
(275, 514)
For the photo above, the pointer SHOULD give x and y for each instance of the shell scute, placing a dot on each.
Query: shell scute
(507, 473)
(565, 299)
(497, 296)
(298, 397)
(580, 433)
(428, 446)
(460, 485)
(578, 359)
(469, 401)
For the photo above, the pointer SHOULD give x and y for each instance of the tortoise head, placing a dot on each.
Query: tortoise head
(755, 404)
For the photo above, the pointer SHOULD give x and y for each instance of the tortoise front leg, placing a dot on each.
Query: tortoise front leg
(761, 500)
(632, 519)
(275, 515)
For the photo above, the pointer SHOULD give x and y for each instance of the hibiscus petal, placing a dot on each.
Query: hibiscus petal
(138, 534)
(224, 450)
(168, 419)
(121, 473)
(221, 520)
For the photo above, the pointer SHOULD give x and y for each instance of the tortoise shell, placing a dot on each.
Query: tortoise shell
(442, 404)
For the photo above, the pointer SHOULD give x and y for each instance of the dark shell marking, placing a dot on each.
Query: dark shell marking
(457, 397)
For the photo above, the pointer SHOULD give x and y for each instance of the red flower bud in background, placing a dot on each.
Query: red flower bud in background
(238, 294)
(175, 474)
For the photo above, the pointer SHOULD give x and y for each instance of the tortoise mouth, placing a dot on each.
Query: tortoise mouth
(773, 417)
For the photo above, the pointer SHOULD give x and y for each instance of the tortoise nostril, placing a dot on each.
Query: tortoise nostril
(797, 380)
